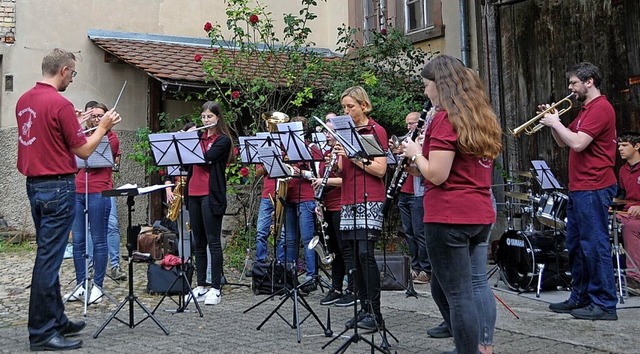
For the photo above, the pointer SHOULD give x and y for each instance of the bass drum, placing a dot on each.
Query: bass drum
(519, 253)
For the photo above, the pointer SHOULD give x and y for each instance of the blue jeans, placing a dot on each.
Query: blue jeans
(113, 237)
(263, 229)
(98, 209)
(303, 225)
(587, 241)
(411, 213)
(52, 209)
(459, 260)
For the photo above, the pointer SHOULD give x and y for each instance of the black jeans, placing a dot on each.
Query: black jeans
(207, 229)
(367, 274)
(338, 267)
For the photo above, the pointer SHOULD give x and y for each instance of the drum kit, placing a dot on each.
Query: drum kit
(533, 259)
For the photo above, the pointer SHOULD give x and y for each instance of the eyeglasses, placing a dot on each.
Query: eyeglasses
(73, 73)
(208, 116)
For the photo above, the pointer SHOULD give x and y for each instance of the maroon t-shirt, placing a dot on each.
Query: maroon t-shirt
(592, 168)
(299, 188)
(99, 178)
(464, 198)
(199, 182)
(352, 174)
(630, 182)
(47, 131)
(332, 195)
(268, 185)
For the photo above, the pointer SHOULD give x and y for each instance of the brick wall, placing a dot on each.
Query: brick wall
(7, 20)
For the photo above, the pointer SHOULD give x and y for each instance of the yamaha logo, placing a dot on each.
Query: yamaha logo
(515, 242)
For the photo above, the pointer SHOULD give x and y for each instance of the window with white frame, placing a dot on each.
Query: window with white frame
(370, 18)
(418, 15)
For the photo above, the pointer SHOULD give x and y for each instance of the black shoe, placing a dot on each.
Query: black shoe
(309, 288)
(565, 307)
(349, 324)
(331, 298)
(72, 328)
(56, 342)
(594, 313)
(440, 331)
(369, 322)
(346, 300)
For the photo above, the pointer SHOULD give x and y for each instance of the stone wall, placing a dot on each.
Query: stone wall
(7, 21)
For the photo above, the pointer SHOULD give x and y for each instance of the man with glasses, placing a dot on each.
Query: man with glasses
(49, 136)
(591, 137)
(411, 214)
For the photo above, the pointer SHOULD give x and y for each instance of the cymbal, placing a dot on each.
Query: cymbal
(516, 195)
(526, 174)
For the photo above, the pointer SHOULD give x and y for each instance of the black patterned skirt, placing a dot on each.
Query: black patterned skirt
(361, 221)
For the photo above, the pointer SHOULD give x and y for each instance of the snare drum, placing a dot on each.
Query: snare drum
(519, 253)
(552, 210)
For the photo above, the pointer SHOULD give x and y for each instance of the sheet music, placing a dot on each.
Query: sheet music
(249, 148)
(160, 145)
(371, 146)
(544, 175)
(320, 139)
(189, 147)
(185, 151)
(343, 133)
(292, 135)
(175, 171)
(266, 154)
(144, 190)
(101, 157)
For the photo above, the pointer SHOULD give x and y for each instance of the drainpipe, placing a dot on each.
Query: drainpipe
(464, 33)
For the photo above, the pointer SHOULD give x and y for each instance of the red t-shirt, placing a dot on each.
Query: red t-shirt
(592, 168)
(99, 178)
(630, 182)
(464, 198)
(199, 182)
(352, 174)
(47, 131)
(268, 184)
(299, 188)
(407, 187)
(332, 194)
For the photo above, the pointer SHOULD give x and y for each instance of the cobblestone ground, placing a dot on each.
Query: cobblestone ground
(225, 328)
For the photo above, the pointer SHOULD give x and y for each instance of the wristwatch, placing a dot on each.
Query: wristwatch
(413, 159)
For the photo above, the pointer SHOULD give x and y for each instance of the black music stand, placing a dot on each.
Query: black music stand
(131, 191)
(178, 149)
(272, 159)
(101, 157)
(548, 182)
(355, 147)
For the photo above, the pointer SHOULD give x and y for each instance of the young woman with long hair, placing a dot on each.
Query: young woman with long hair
(460, 144)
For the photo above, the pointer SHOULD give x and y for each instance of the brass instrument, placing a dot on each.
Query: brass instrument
(532, 126)
(176, 204)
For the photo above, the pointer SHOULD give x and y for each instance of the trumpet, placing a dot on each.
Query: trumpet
(532, 126)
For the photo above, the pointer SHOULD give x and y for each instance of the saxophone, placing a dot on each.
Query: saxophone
(277, 216)
(176, 205)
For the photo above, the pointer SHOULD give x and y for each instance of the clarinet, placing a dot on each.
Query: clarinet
(400, 175)
(325, 176)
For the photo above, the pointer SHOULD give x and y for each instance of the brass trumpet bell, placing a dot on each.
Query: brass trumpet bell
(273, 119)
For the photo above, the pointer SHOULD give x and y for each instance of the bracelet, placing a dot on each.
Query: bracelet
(413, 159)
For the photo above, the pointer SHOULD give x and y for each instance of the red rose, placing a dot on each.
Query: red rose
(161, 173)
(244, 172)
(197, 57)
(215, 50)
(253, 19)
(383, 31)
(208, 27)
(235, 94)
(235, 150)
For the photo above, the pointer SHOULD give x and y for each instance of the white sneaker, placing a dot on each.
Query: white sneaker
(96, 295)
(199, 292)
(213, 297)
(74, 296)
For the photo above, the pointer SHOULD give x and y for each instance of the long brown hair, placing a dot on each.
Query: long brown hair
(462, 95)
(221, 128)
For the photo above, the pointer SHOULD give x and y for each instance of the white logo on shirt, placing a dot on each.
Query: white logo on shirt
(485, 162)
(25, 133)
